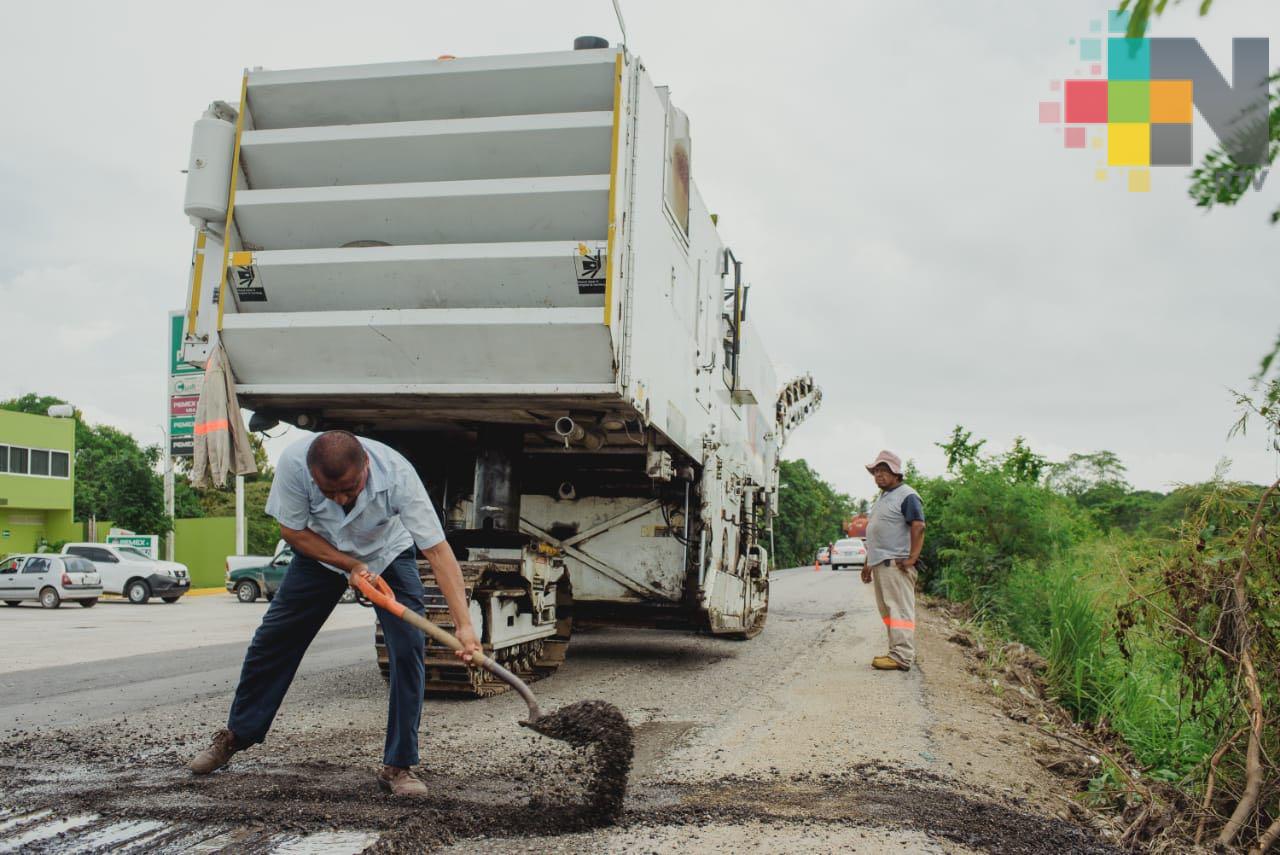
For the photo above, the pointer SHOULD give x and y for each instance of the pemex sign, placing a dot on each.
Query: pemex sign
(1138, 98)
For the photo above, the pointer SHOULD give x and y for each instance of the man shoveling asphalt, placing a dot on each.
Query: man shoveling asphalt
(347, 506)
(895, 535)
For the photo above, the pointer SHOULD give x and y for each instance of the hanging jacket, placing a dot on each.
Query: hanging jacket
(221, 441)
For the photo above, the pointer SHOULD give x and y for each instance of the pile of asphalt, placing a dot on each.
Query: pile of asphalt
(601, 726)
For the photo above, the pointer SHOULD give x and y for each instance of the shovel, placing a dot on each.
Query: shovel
(376, 591)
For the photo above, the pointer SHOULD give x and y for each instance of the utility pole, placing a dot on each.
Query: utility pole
(240, 532)
(168, 494)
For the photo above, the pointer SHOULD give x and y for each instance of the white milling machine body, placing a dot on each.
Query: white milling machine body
(501, 267)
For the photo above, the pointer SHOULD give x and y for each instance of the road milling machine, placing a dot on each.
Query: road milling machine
(501, 266)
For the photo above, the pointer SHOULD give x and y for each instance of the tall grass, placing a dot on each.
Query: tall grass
(1064, 608)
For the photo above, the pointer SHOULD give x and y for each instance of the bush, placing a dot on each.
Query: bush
(982, 521)
(1050, 566)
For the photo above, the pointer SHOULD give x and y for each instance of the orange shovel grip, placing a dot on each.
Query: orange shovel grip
(377, 591)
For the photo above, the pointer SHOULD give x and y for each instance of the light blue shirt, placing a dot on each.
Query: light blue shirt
(392, 513)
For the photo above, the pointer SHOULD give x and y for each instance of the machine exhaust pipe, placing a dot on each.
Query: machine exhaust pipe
(575, 434)
(569, 430)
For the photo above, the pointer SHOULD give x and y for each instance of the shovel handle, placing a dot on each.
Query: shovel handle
(377, 591)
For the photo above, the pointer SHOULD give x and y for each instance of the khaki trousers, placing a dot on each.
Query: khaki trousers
(896, 599)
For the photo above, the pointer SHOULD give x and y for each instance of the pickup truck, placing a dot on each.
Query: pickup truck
(253, 576)
(236, 562)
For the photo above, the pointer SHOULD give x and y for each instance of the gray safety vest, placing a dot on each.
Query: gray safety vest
(888, 534)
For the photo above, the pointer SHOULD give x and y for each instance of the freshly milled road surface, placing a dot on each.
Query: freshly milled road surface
(779, 744)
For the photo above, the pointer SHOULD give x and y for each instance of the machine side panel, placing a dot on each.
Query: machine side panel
(673, 281)
(628, 555)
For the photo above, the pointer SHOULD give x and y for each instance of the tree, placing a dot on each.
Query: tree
(988, 514)
(186, 501)
(959, 449)
(1080, 473)
(1021, 464)
(1221, 180)
(810, 514)
(116, 480)
(261, 531)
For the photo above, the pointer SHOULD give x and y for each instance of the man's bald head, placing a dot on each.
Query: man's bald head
(334, 455)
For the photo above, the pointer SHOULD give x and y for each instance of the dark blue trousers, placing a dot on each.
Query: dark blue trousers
(304, 601)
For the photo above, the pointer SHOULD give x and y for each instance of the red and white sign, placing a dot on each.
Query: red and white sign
(183, 406)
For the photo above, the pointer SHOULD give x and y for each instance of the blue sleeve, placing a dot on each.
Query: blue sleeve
(912, 510)
(288, 500)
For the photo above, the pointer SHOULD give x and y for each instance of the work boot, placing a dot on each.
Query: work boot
(888, 663)
(218, 754)
(400, 782)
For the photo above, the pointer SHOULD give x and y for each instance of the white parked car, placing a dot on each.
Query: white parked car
(134, 574)
(849, 553)
(49, 579)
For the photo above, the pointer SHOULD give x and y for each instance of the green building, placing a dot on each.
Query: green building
(37, 481)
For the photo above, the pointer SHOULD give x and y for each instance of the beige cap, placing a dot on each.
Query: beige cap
(888, 458)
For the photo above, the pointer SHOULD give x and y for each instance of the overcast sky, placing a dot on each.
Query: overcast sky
(915, 238)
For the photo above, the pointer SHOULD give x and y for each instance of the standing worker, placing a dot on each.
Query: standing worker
(895, 535)
(348, 506)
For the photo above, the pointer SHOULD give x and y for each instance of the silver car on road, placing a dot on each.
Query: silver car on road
(848, 554)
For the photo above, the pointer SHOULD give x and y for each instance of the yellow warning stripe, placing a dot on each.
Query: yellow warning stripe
(197, 279)
(231, 199)
(613, 188)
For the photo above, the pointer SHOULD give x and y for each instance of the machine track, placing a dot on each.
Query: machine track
(447, 676)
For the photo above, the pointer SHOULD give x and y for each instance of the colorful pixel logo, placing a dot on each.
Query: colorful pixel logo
(1140, 109)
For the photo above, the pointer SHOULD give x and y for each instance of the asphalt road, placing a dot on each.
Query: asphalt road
(32, 637)
(779, 744)
(82, 693)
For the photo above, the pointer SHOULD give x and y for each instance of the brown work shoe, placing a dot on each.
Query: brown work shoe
(888, 663)
(217, 755)
(399, 781)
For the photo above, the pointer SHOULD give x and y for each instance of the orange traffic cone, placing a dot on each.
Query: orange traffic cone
(816, 565)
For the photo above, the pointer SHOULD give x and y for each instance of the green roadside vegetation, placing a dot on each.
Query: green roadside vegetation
(1157, 615)
(1057, 556)
(1132, 599)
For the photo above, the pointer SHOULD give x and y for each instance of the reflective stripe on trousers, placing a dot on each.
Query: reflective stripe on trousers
(896, 599)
